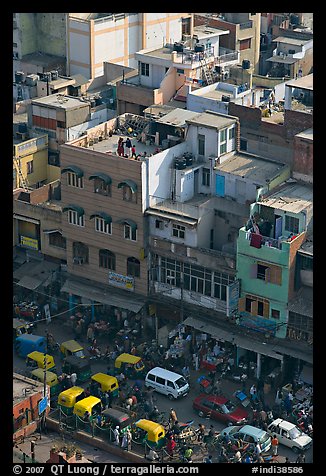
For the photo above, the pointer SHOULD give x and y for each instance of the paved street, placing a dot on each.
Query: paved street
(183, 407)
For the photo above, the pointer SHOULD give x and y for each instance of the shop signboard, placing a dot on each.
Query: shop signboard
(232, 297)
(29, 242)
(121, 281)
(256, 323)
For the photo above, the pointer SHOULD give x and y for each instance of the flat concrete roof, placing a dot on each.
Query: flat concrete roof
(203, 31)
(211, 119)
(306, 82)
(250, 167)
(282, 59)
(42, 59)
(291, 41)
(290, 198)
(110, 145)
(215, 94)
(177, 117)
(165, 53)
(22, 384)
(60, 101)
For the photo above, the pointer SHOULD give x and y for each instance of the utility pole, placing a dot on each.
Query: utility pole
(181, 291)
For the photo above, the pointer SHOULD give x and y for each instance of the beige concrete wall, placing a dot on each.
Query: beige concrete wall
(118, 169)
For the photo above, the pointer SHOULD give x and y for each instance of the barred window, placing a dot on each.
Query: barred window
(107, 259)
(74, 219)
(74, 181)
(102, 226)
(133, 267)
(178, 231)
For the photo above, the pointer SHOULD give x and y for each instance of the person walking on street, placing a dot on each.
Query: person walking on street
(301, 458)
(201, 432)
(129, 439)
(173, 416)
(73, 379)
(90, 334)
(274, 445)
(116, 434)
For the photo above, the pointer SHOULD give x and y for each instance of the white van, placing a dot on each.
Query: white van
(171, 384)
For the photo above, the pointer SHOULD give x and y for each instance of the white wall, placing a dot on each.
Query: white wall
(166, 233)
(159, 171)
(210, 139)
(232, 187)
(198, 103)
(158, 73)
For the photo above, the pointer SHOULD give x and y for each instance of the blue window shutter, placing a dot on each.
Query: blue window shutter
(220, 185)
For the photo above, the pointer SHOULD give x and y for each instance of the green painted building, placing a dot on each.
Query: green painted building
(266, 260)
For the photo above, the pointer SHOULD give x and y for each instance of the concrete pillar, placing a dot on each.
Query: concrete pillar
(71, 304)
(258, 369)
(287, 97)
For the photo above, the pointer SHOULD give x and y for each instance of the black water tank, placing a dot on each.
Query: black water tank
(188, 157)
(225, 98)
(245, 64)
(199, 48)
(178, 47)
(19, 77)
(180, 164)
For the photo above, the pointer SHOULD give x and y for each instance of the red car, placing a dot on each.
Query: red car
(220, 408)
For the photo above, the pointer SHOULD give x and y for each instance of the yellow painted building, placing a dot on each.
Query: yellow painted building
(31, 156)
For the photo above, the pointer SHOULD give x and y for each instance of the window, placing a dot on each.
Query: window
(180, 71)
(160, 380)
(144, 69)
(223, 148)
(178, 231)
(245, 44)
(130, 233)
(74, 219)
(232, 133)
(261, 272)
(223, 135)
(74, 181)
(127, 194)
(151, 377)
(170, 384)
(186, 26)
(260, 308)
(107, 259)
(30, 167)
(133, 267)
(101, 187)
(102, 226)
(80, 252)
(159, 224)
(275, 314)
(249, 301)
(57, 240)
(54, 159)
(170, 277)
(206, 177)
(201, 144)
(291, 224)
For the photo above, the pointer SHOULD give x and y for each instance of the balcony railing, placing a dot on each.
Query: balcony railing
(190, 57)
(227, 56)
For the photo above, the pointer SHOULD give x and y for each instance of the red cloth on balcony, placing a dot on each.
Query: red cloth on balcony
(256, 240)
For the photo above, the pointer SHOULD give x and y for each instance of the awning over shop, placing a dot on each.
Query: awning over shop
(129, 222)
(74, 169)
(129, 183)
(79, 210)
(30, 220)
(33, 274)
(107, 218)
(240, 341)
(103, 295)
(99, 175)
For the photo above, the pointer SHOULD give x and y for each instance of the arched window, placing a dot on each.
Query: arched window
(79, 252)
(133, 267)
(106, 259)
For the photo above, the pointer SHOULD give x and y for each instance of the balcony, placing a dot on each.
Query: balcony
(227, 56)
(191, 57)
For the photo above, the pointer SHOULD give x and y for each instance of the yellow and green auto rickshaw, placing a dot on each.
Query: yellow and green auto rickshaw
(131, 365)
(21, 327)
(51, 380)
(36, 360)
(80, 367)
(72, 347)
(150, 432)
(106, 383)
(88, 408)
(68, 398)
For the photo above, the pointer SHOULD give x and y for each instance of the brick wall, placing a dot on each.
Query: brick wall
(226, 41)
(296, 121)
(303, 156)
